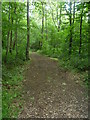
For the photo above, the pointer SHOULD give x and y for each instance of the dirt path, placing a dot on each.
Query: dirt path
(50, 92)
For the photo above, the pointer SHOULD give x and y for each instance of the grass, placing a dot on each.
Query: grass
(12, 75)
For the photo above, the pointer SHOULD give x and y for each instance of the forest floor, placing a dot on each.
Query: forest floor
(52, 92)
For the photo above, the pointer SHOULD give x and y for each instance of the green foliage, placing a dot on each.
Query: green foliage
(12, 82)
(55, 41)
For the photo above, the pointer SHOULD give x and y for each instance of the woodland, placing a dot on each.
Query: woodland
(51, 29)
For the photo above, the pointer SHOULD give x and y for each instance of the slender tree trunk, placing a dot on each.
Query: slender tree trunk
(28, 32)
(89, 23)
(70, 43)
(73, 12)
(57, 13)
(46, 25)
(16, 40)
(7, 47)
(16, 31)
(81, 30)
(88, 51)
(53, 19)
(10, 49)
(59, 18)
(73, 18)
(14, 43)
(42, 22)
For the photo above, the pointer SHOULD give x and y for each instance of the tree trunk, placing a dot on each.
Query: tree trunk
(53, 19)
(42, 23)
(46, 25)
(10, 49)
(14, 43)
(73, 12)
(59, 18)
(70, 17)
(28, 36)
(81, 31)
(89, 23)
(57, 14)
(16, 32)
(7, 47)
(16, 40)
(89, 50)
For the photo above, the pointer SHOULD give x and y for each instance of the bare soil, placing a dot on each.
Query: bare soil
(51, 92)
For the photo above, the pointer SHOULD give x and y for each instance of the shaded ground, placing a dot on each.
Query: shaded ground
(51, 92)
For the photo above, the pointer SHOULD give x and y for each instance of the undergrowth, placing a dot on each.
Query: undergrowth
(74, 64)
(12, 76)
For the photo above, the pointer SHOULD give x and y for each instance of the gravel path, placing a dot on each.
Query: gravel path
(51, 92)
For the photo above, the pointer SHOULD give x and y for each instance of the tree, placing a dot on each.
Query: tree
(28, 34)
(16, 31)
(10, 49)
(52, 14)
(74, 12)
(58, 34)
(7, 47)
(46, 22)
(42, 21)
(70, 18)
(57, 13)
(59, 18)
(15, 38)
(81, 28)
